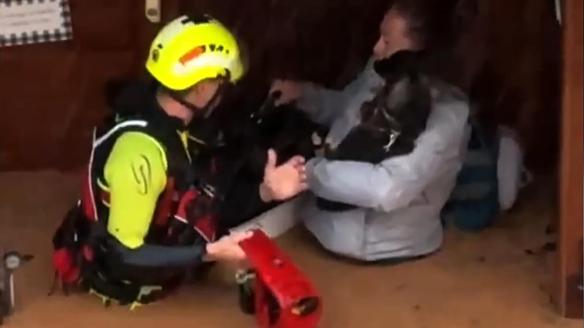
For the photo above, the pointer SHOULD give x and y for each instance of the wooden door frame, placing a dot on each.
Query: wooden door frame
(568, 298)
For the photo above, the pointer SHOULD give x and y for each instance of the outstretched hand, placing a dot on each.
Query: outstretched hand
(284, 181)
(227, 248)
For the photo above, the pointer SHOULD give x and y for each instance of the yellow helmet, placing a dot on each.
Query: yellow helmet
(188, 50)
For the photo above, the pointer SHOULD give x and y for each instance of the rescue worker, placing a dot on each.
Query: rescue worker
(399, 201)
(140, 164)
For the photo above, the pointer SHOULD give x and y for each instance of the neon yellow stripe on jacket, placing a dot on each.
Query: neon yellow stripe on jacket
(135, 173)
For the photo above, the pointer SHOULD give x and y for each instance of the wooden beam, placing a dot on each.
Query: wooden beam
(568, 296)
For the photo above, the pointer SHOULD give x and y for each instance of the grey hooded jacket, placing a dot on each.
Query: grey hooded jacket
(401, 198)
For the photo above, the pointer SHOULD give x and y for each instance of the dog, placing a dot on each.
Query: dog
(285, 129)
(391, 122)
(231, 156)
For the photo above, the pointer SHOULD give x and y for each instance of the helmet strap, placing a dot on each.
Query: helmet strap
(200, 112)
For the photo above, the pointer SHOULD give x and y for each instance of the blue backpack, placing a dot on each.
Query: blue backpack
(474, 202)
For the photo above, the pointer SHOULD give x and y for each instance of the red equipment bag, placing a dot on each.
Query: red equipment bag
(283, 295)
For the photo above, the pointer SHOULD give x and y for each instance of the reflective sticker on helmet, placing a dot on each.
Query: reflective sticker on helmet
(205, 60)
(194, 53)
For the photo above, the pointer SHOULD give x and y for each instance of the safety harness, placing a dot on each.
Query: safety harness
(83, 255)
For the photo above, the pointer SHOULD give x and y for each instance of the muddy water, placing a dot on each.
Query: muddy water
(477, 280)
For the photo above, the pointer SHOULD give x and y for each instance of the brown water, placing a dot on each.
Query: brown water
(477, 280)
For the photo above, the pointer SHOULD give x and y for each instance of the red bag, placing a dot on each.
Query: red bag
(284, 297)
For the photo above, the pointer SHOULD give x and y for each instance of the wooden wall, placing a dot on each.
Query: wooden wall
(321, 41)
(519, 84)
(52, 94)
(325, 41)
(509, 58)
(570, 262)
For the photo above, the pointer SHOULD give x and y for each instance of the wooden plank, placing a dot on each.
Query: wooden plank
(568, 297)
(52, 93)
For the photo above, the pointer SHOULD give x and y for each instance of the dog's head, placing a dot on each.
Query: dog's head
(404, 101)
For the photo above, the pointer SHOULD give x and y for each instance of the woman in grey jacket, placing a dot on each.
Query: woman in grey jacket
(401, 198)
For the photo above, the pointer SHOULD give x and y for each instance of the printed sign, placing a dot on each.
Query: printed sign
(34, 21)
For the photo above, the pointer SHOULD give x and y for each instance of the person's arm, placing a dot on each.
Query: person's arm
(157, 256)
(135, 173)
(325, 105)
(397, 181)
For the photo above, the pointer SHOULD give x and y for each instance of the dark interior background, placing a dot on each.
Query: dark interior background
(508, 60)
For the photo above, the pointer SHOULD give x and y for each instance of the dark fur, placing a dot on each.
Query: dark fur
(234, 154)
(406, 98)
(285, 129)
(240, 161)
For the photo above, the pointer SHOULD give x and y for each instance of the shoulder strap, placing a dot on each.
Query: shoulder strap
(120, 127)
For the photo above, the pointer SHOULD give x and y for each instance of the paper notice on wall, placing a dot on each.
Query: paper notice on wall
(34, 21)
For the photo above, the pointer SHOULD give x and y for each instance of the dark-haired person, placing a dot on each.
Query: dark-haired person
(399, 201)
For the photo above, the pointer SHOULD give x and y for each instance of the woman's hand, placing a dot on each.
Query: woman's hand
(227, 248)
(284, 181)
